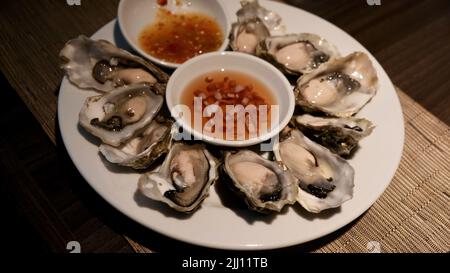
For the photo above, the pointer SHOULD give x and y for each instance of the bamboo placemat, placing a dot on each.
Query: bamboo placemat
(413, 214)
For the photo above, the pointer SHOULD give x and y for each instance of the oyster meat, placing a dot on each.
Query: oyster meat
(102, 66)
(340, 135)
(141, 151)
(296, 54)
(121, 114)
(324, 179)
(184, 178)
(264, 184)
(339, 88)
(254, 24)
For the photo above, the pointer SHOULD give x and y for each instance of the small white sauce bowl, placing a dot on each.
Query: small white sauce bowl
(266, 73)
(135, 15)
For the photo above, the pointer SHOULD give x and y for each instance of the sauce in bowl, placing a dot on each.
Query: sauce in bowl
(176, 38)
(240, 91)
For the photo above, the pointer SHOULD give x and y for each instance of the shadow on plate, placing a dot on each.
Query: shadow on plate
(92, 139)
(228, 199)
(110, 166)
(120, 40)
(145, 202)
(237, 205)
(352, 153)
(115, 168)
(303, 213)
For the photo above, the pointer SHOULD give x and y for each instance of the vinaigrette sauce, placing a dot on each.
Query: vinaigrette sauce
(176, 38)
(230, 88)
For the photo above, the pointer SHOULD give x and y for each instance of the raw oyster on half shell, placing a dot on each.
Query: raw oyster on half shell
(184, 179)
(254, 24)
(263, 184)
(117, 116)
(339, 135)
(296, 54)
(324, 179)
(339, 88)
(102, 66)
(141, 151)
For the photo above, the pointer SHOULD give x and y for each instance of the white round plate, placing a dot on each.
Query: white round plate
(216, 224)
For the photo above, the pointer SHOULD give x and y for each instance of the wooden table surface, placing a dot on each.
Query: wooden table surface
(48, 202)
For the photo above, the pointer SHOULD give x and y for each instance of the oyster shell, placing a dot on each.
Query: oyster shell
(102, 66)
(339, 88)
(296, 54)
(340, 135)
(141, 151)
(254, 24)
(325, 180)
(264, 184)
(184, 179)
(121, 114)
